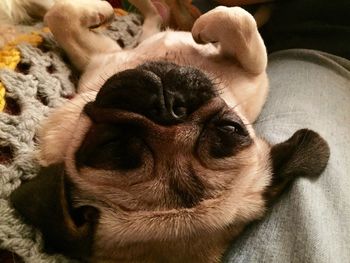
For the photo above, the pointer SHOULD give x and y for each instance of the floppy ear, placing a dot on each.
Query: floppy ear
(45, 203)
(304, 154)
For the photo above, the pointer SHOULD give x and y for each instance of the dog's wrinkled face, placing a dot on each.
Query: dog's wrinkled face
(159, 142)
(161, 138)
(159, 156)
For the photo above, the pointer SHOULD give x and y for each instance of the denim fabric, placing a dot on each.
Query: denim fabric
(311, 221)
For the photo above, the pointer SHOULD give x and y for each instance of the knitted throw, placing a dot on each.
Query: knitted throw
(35, 78)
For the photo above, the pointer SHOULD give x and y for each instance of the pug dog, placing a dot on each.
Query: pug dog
(156, 159)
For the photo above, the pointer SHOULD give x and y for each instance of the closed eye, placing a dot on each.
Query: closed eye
(224, 135)
(111, 147)
(231, 127)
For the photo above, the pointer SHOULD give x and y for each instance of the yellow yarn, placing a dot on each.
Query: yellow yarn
(10, 57)
(2, 97)
(120, 12)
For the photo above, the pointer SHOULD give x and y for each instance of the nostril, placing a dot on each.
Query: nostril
(179, 112)
(176, 106)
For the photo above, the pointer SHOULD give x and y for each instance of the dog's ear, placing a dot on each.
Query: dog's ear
(305, 154)
(45, 203)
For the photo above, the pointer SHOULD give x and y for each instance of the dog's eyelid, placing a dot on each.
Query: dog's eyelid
(238, 126)
(228, 118)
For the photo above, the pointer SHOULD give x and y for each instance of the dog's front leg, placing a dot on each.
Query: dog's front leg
(152, 19)
(236, 32)
(72, 24)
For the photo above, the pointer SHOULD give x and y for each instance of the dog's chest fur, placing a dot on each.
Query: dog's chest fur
(208, 250)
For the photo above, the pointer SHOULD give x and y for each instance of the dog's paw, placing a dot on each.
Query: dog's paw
(96, 13)
(222, 22)
(88, 13)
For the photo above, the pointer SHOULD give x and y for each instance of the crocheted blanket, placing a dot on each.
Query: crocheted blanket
(35, 78)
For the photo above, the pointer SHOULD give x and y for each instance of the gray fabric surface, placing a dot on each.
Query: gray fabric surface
(35, 91)
(311, 222)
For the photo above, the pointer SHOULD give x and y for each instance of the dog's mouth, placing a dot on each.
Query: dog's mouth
(164, 116)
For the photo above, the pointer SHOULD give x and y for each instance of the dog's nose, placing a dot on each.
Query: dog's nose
(163, 92)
